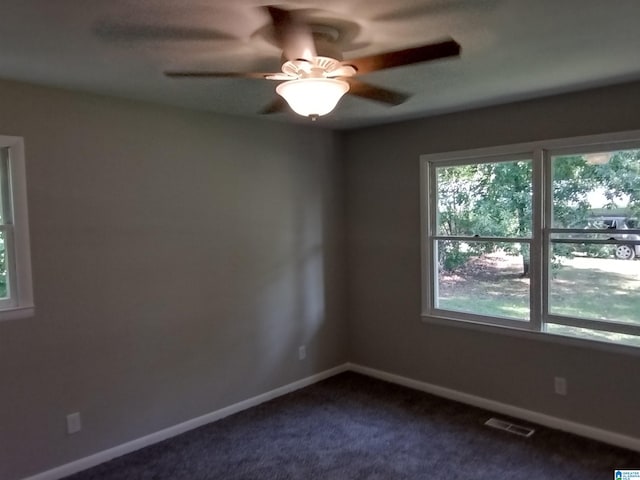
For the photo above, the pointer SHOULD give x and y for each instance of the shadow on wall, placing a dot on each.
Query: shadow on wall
(298, 301)
(286, 259)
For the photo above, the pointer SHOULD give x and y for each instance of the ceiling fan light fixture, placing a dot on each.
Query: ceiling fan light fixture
(313, 97)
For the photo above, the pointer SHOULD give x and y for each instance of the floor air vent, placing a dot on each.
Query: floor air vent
(509, 427)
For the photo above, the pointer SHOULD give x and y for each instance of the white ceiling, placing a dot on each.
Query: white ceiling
(511, 49)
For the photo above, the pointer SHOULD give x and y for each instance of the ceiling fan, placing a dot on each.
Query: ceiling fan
(313, 75)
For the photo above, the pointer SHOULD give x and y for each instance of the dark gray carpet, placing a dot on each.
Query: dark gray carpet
(354, 427)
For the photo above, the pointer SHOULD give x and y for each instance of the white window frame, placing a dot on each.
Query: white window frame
(541, 154)
(19, 304)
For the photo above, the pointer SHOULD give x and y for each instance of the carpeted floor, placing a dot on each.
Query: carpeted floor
(355, 427)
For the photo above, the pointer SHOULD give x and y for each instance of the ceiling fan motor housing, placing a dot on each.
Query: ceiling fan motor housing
(315, 67)
(313, 73)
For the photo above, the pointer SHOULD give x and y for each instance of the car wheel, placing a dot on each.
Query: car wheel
(624, 252)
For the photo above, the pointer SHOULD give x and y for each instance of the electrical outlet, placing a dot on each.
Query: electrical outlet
(560, 385)
(302, 352)
(74, 423)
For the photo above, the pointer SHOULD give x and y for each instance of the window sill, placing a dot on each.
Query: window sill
(546, 337)
(16, 313)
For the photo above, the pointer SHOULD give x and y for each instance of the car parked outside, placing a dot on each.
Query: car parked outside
(630, 249)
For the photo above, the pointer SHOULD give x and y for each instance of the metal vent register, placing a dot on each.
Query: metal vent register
(509, 427)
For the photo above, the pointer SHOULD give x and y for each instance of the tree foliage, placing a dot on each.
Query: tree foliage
(495, 200)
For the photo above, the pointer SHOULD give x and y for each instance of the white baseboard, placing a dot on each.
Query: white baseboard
(594, 433)
(105, 455)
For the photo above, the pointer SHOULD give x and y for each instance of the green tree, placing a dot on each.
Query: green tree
(620, 177)
(495, 199)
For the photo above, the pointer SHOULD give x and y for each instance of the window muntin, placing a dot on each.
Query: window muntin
(584, 208)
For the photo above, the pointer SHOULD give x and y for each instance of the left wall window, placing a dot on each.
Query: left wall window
(16, 294)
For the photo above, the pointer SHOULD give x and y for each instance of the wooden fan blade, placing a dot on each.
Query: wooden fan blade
(205, 74)
(133, 32)
(425, 53)
(294, 36)
(378, 94)
(278, 105)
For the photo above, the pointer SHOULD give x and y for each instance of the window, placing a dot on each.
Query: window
(16, 299)
(541, 237)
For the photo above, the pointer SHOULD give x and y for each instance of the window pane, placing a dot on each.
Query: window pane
(596, 190)
(484, 278)
(590, 334)
(486, 199)
(4, 185)
(586, 281)
(4, 284)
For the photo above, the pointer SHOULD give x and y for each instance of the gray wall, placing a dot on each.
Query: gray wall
(383, 202)
(179, 260)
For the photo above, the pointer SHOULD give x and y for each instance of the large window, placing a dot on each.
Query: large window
(542, 237)
(16, 298)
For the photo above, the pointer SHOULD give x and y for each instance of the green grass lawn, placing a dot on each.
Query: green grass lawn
(592, 288)
(490, 285)
(597, 289)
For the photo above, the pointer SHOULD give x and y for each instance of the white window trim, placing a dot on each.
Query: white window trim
(19, 263)
(540, 152)
(428, 246)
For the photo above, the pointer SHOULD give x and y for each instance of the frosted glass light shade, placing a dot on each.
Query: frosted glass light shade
(313, 96)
